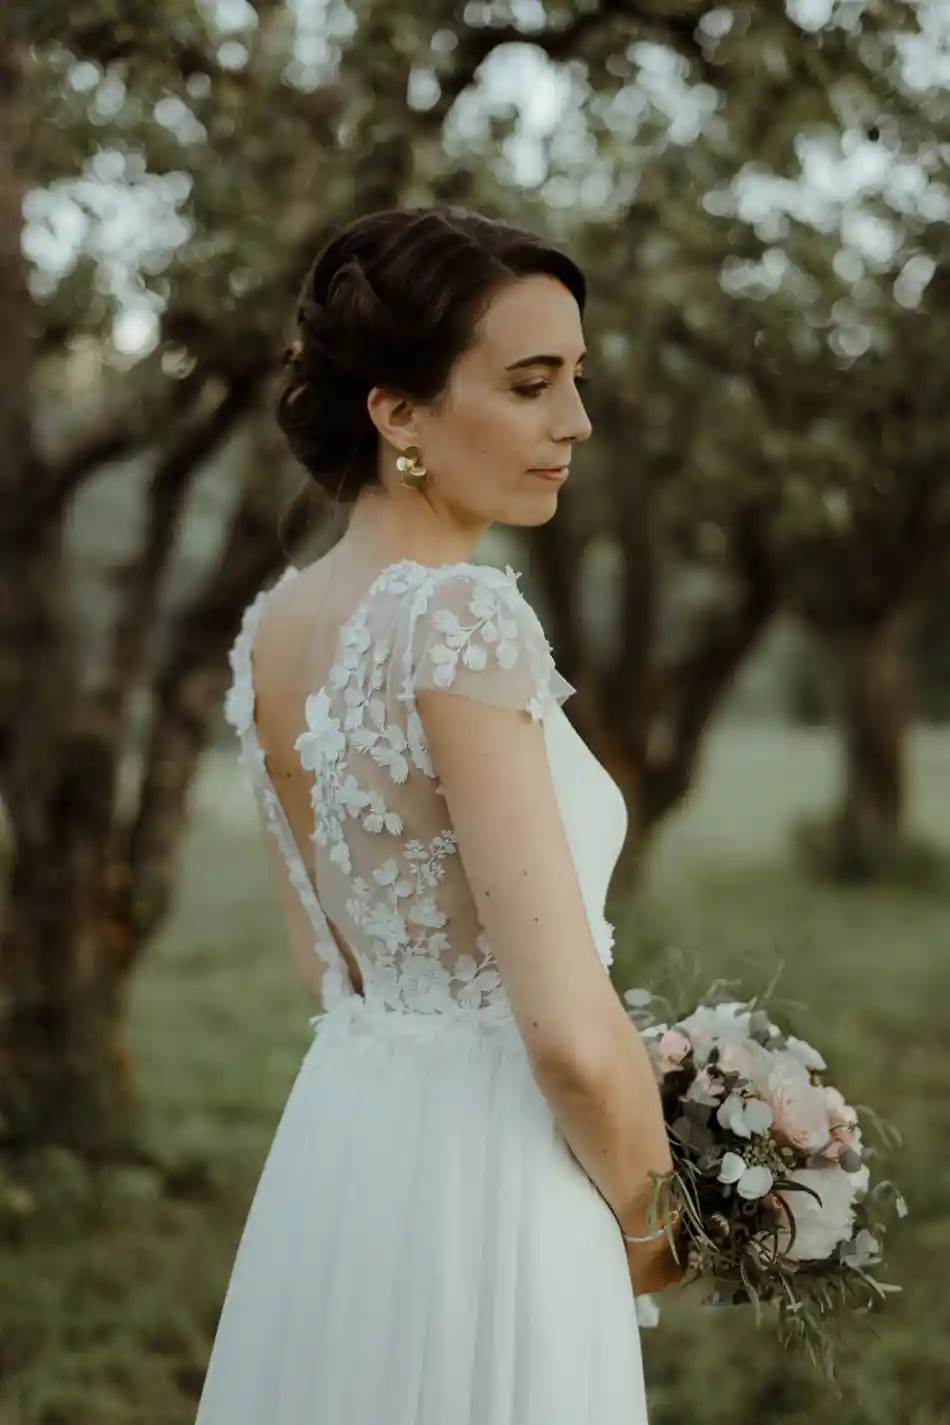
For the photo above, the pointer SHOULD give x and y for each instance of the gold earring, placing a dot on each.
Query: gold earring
(413, 472)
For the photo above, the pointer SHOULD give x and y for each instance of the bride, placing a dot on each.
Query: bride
(451, 1224)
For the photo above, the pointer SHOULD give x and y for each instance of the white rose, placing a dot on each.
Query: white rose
(819, 1227)
(860, 1180)
(749, 1059)
(716, 1024)
(802, 1050)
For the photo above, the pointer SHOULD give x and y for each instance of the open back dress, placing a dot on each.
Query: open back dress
(422, 1248)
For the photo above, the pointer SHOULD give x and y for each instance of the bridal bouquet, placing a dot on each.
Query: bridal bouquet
(771, 1173)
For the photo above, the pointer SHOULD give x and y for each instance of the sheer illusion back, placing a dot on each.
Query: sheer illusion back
(385, 867)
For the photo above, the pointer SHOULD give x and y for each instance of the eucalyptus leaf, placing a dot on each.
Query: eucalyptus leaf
(683, 1128)
(850, 1160)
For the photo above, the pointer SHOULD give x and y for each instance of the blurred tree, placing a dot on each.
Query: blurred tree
(160, 92)
(930, 643)
(259, 130)
(773, 414)
(723, 323)
(859, 530)
(234, 122)
(862, 574)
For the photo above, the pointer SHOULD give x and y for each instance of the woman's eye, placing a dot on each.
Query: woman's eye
(536, 389)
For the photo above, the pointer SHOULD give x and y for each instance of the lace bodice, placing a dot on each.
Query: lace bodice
(385, 867)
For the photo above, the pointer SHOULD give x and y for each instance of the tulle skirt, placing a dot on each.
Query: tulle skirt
(423, 1248)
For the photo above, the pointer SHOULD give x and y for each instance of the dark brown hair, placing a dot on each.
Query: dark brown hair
(393, 301)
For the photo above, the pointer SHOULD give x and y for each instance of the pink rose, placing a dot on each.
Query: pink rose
(840, 1114)
(750, 1060)
(672, 1049)
(719, 1024)
(799, 1114)
(733, 1059)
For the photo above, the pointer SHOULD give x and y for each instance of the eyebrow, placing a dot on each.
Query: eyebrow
(555, 362)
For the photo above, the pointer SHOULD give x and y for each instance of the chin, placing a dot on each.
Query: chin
(542, 512)
(526, 514)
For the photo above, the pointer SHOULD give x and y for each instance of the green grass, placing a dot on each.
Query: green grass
(108, 1303)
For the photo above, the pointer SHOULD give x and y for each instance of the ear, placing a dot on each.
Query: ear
(394, 417)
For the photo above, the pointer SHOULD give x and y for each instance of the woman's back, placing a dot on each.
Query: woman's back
(347, 757)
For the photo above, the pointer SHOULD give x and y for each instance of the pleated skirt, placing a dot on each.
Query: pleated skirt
(423, 1248)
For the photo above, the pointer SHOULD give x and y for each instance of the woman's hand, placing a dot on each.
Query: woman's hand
(653, 1266)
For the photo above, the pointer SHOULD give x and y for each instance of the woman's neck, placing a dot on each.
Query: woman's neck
(384, 528)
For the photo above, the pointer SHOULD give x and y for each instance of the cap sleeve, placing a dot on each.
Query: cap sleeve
(473, 633)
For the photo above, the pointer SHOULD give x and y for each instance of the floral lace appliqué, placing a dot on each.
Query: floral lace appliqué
(464, 627)
(395, 905)
(493, 631)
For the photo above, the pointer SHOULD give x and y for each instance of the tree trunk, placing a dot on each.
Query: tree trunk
(867, 829)
(86, 891)
(65, 1074)
(58, 1042)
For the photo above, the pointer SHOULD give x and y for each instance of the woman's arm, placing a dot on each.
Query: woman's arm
(586, 1055)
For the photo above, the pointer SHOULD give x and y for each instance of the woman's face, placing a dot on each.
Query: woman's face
(510, 410)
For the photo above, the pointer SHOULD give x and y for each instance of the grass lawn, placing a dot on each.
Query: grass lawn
(107, 1312)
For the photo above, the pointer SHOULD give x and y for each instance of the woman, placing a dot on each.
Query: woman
(451, 1224)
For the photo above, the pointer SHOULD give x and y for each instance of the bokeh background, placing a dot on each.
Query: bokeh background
(747, 581)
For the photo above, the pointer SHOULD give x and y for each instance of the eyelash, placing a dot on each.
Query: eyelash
(531, 393)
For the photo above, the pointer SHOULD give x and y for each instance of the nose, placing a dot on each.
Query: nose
(575, 422)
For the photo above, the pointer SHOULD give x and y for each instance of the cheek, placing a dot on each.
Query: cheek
(507, 423)
(495, 425)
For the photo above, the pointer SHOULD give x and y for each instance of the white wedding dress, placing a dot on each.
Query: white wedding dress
(422, 1248)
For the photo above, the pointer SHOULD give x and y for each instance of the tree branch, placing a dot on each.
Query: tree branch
(686, 694)
(188, 691)
(53, 483)
(168, 490)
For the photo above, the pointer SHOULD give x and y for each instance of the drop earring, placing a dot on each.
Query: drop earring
(413, 473)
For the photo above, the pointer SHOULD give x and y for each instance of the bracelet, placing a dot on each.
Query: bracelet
(650, 1237)
(658, 1232)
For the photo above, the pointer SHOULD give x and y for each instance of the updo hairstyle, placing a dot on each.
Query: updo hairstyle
(393, 301)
